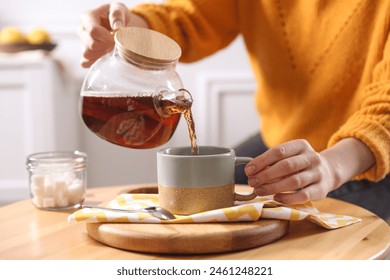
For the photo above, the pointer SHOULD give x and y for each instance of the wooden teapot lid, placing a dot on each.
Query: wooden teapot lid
(146, 46)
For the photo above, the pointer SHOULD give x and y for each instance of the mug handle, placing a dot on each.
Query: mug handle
(243, 197)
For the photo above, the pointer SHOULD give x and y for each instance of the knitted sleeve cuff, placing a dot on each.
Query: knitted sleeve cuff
(377, 139)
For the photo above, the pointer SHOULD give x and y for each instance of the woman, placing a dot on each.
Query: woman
(323, 72)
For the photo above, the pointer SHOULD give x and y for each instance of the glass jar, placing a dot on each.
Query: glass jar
(133, 96)
(57, 180)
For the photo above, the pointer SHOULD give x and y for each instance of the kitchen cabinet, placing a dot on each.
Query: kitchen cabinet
(38, 112)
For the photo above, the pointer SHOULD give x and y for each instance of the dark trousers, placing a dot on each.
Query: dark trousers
(373, 196)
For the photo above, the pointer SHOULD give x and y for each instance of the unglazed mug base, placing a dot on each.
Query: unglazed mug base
(191, 200)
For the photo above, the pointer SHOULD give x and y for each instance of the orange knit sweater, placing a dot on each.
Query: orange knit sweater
(323, 67)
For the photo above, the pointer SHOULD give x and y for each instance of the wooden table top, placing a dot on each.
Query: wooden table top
(29, 233)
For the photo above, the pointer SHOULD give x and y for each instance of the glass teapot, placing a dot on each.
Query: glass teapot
(133, 96)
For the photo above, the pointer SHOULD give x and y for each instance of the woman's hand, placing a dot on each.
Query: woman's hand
(98, 26)
(296, 173)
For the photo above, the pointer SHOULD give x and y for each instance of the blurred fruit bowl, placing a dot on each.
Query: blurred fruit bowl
(18, 47)
(13, 40)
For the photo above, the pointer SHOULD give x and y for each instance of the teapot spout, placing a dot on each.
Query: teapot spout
(168, 102)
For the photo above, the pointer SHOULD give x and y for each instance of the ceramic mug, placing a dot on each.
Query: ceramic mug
(189, 184)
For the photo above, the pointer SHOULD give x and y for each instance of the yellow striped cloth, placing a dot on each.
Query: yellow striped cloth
(260, 207)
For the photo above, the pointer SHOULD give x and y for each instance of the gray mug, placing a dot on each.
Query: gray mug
(189, 184)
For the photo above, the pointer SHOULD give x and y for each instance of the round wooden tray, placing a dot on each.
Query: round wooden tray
(187, 238)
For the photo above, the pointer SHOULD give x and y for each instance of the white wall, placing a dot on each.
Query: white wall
(110, 164)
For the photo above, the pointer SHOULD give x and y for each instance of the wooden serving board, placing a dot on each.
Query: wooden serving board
(187, 238)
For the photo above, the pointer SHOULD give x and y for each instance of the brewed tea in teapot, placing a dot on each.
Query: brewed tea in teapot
(133, 97)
